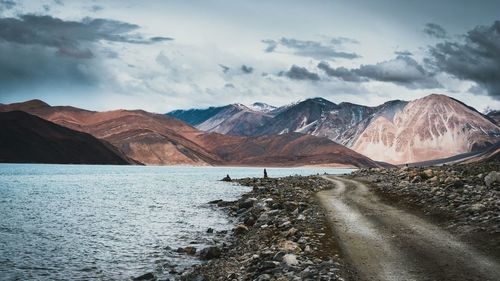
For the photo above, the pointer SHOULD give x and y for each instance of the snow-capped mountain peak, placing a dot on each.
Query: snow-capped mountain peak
(261, 107)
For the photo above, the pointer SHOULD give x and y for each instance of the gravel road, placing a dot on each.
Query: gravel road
(383, 242)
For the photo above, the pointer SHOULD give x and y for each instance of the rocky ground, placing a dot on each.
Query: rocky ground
(282, 232)
(282, 235)
(464, 199)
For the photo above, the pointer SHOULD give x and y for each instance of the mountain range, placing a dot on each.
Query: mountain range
(396, 132)
(310, 132)
(158, 139)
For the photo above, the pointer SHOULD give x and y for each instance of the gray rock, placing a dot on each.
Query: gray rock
(148, 276)
(265, 265)
(240, 229)
(279, 256)
(187, 250)
(249, 221)
(248, 203)
(290, 260)
(492, 178)
(210, 253)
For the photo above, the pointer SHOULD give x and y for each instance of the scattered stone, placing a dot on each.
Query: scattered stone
(291, 232)
(428, 173)
(209, 253)
(240, 229)
(491, 178)
(250, 221)
(248, 203)
(265, 265)
(289, 246)
(187, 250)
(146, 277)
(290, 260)
(279, 256)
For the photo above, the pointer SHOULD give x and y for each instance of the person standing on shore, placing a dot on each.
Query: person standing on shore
(265, 174)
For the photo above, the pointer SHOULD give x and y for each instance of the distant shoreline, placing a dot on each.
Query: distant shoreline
(196, 166)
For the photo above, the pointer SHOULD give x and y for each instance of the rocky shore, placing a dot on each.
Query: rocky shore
(281, 231)
(282, 234)
(465, 199)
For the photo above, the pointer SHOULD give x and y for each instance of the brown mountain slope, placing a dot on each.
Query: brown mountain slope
(146, 137)
(162, 140)
(27, 138)
(432, 127)
(292, 149)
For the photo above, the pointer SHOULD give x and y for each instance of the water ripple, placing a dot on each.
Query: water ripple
(81, 222)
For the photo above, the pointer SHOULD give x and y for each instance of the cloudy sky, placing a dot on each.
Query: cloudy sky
(164, 55)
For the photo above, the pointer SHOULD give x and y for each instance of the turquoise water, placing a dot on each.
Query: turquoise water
(61, 222)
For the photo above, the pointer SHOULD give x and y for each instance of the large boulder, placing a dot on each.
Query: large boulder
(491, 178)
(209, 253)
(247, 203)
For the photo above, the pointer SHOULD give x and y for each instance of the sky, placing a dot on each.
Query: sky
(161, 55)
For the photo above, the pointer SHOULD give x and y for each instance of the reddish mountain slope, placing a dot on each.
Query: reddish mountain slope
(162, 140)
(292, 149)
(146, 137)
(27, 138)
(432, 127)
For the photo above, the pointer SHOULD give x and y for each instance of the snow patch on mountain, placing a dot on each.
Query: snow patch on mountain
(261, 107)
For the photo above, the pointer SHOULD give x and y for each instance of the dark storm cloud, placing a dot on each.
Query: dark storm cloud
(7, 5)
(311, 49)
(476, 58)
(341, 72)
(300, 73)
(246, 69)
(403, 70)
(403, 53)
(68, 37)
(24, 66)
(43, 51)
(435, 30)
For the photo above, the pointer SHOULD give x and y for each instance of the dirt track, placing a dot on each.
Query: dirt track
(385, 243)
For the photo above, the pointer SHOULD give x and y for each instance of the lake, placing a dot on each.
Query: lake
(61, 222)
